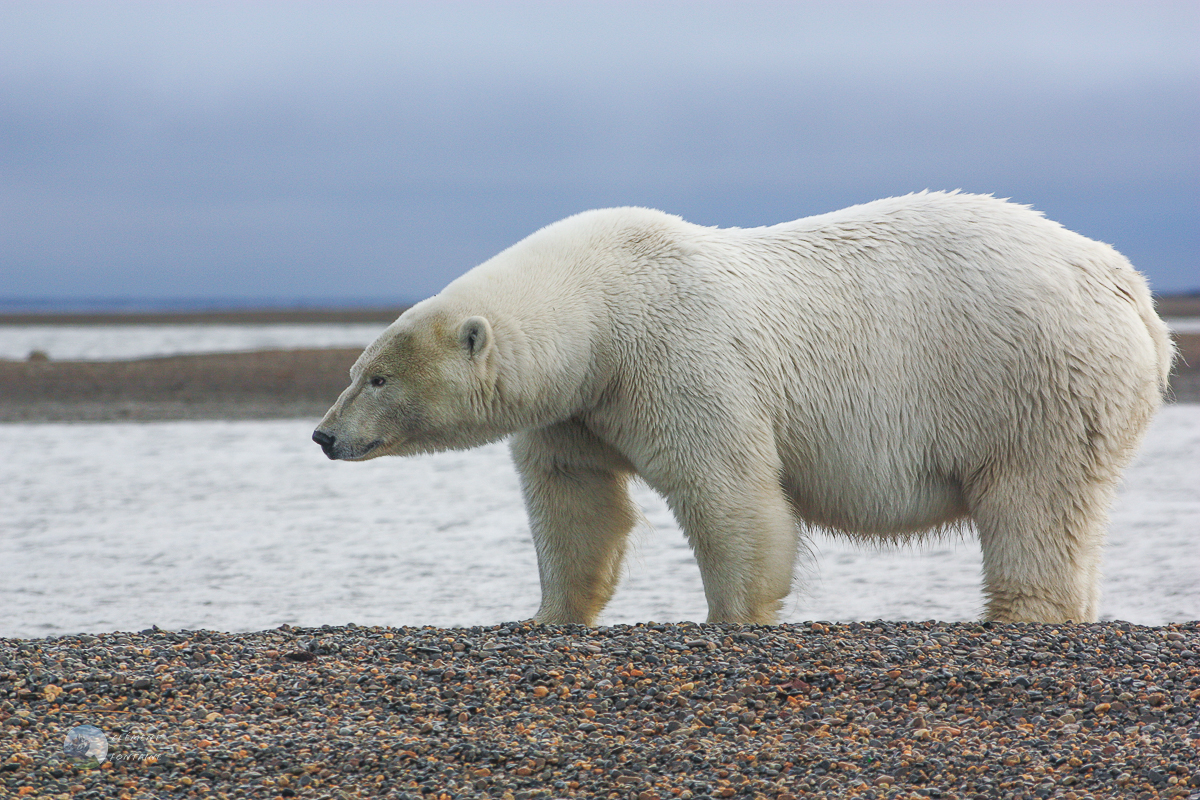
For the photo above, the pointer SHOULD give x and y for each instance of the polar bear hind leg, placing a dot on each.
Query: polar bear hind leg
(1042, 540)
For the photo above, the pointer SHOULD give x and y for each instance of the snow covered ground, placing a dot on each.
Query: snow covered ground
(245, 526)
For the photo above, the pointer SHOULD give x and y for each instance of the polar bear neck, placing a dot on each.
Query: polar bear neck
(550, 301)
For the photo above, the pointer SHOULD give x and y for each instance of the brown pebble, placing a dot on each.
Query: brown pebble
(884, 707)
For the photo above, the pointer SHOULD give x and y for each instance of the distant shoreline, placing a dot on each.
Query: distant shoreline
(271, 384)
(248, 316)
(1176, 305)
(266, 384)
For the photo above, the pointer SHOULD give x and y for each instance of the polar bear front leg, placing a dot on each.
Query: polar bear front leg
(580, 514)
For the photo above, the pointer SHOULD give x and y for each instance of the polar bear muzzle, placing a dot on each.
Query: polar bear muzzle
(340, 451)
(326, 441)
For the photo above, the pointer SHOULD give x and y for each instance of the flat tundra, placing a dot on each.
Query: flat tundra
(907, 366)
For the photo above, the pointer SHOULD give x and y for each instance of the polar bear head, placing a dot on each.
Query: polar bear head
(424, 385)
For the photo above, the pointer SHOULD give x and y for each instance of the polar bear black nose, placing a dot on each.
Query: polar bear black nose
(325, 440)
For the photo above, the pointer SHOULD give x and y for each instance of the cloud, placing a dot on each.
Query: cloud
(343, 150)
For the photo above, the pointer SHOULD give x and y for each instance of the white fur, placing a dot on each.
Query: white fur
(884, 370)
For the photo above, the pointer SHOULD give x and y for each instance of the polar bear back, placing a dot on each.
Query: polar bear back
(894, 347)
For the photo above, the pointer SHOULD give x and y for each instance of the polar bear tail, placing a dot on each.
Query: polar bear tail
(1130, 283)
(1164, 345)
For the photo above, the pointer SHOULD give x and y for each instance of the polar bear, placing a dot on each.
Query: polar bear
(891, 369)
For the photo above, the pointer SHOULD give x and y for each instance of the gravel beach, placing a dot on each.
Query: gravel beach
(865, 710)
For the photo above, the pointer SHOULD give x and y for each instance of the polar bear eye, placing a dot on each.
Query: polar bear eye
(378, 380)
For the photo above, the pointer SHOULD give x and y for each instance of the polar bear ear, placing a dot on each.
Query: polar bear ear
(475, 336)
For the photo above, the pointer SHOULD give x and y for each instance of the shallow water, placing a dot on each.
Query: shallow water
(245, 526)
(107, 342)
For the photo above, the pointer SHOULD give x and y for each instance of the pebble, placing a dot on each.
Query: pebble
(647, 712)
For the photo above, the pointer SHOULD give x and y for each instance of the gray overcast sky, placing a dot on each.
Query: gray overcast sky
(351, 152)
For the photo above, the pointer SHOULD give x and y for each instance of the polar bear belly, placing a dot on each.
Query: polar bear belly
(865, 484)
(864, 504)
